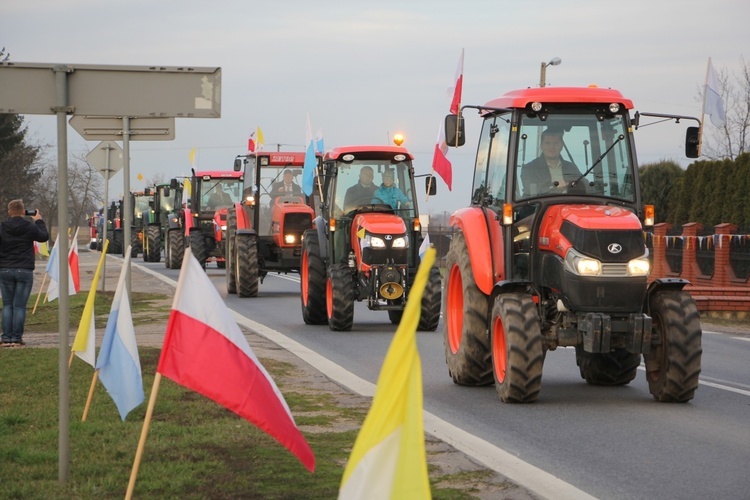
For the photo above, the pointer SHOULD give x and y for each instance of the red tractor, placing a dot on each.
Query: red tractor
(365, 244)
(203, 222)
(264, 229)
(551, 252)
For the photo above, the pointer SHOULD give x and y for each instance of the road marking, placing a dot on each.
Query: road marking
(526, 475)
(703, 381)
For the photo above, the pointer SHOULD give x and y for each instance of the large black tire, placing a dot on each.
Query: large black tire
(136, 246)
(340, 298)
(517, 352)
(395, 315)
(674, 363)
(116, 246)
(431, 300)
(246, 264)
(152, 241)
(176, 248)
(229, 251)
(198, 246)
(312, 276)
(618, 367)
(466, 309)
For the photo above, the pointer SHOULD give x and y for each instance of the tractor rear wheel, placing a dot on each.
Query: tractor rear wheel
(152, 251)
(229, 251)
(467, 348)
(246, 264)
(618, 367)
(176, 245)
(312, 280)
(431, 299)
(198, 246)
(340, 298)
(674, 363)
(517, 353)
(117, 242)
(136, 246)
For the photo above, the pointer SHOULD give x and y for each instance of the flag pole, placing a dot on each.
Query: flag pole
(41, 289)
(91, 394)
(144, 433)
(703, 109)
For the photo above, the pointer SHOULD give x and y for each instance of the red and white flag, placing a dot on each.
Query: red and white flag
(75, 272)
(440, 162)
(204, 350)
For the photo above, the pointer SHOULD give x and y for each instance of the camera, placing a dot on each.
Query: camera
(31, 213)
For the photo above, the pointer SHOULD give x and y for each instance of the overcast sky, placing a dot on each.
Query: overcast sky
(366, 70)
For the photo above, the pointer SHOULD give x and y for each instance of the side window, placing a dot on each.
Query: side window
(498, 164)
(479, 186)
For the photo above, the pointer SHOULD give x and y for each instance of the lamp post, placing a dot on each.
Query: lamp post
(543, 75)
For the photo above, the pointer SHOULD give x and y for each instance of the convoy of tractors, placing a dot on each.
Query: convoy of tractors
(536, 260)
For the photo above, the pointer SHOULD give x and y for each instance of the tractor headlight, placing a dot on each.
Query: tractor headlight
(639, 267)
(289, 239)
(223, 227)
(400, 242)
(377, 242)
(582, 265)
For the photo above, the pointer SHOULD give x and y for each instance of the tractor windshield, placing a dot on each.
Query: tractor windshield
(216, 194)
(574, 152)
(368, 184)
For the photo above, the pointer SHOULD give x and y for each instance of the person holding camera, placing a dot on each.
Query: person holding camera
(17, 261)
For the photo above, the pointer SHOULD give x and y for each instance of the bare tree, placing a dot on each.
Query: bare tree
(731, 139)
(156, 179)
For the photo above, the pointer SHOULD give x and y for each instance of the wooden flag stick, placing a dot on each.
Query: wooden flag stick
(41, 288)
(91, 395)
(144, 433)
(70, 361)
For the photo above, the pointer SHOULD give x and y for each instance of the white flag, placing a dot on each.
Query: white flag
(712, 105)
(424, 246)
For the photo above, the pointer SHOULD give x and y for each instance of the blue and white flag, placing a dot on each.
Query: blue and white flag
(118, 363)
(311, 163)
(319, 143)
(424, 246)
(712, 104)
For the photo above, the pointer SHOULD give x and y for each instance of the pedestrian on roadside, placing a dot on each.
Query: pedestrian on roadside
(17, 261)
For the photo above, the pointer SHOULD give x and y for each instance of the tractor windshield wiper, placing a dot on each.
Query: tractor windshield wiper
(598, 160)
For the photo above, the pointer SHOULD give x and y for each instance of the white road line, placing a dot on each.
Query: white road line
(528, 476)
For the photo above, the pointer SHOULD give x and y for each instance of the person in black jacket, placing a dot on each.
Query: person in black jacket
(17, 237)
(549, 172)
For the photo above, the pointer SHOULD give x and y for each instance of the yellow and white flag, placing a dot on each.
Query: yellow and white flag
(84, 345)
(388, 459)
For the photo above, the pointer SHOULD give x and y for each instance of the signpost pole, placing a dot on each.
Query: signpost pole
(127, 202)
(108, 150)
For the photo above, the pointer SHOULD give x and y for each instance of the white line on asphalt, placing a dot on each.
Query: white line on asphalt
(528, 476)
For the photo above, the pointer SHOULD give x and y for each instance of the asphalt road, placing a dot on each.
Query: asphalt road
(576, 440)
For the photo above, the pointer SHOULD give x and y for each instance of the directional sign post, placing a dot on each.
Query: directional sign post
(108, 128)
(100, 90)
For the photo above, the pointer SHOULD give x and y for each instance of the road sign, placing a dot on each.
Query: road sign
(98, 157)
(109, 90)
(108, 128)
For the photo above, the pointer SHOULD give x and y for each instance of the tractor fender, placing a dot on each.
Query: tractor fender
(472, 222)
(188, 218)
(660, 284)
(319, 223)
(243, 219)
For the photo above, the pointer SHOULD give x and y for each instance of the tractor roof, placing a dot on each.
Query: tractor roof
(591, 94)
(282, 158)
(216, 174)
(335, 153)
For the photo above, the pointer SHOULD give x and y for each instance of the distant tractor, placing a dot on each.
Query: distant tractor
(551, 252)
(113, 220)
(265, 228)
(366, 240)
(165, 199)
(142, 203)
(203, 222)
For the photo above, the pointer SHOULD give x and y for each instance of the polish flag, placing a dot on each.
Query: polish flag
(440, 162)
(75, 272)
(204, 350)
(251, 142)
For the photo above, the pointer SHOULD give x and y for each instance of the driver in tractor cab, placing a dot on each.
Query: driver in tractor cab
(219, 199)
(389, 194)
(549, 172)
(361, 193)
(285, 187)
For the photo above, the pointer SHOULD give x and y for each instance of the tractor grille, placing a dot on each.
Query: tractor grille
(597, 243)
(296, 224)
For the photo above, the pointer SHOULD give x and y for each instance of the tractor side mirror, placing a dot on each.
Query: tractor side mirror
(455, 134)
(237, 164)
(430, 184)
(166, 192)
(173, 183)
(147, 191)
(692, 139)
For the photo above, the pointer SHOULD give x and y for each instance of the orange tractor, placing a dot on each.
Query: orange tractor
(551, 252)
(264, 229)
(365, 244)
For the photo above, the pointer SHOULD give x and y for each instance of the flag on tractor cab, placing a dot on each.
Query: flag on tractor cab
(388, 459)
(251, 142)
(228, 372)
(311, 162)
(261, 140)
(118, 363)
(440, 162)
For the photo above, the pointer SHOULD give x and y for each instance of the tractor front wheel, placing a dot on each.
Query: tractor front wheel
(467, 348)
(674, 362)
(517, 353)
(246, 264)
(176, 248)
(198, 247)
(312, 280)
(340, 298)
(152, 251)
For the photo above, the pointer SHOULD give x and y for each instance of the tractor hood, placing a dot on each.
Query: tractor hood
(607, 233)
(379, 224)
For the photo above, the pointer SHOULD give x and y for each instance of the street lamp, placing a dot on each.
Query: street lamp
(543, 76)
